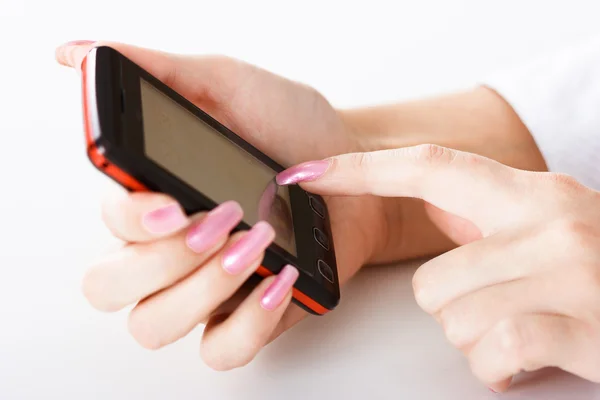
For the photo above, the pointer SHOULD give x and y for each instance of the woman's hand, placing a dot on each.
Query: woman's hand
(180, 271)
(523, 292)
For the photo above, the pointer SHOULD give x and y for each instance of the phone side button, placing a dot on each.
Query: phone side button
(321, 238)
(325, 270)
(317, 206)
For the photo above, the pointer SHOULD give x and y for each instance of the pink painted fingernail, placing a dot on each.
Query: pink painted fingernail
(279, 289)
(305, 172)
(165, 219)
(216, 224)
(246, 250)
(79, 42)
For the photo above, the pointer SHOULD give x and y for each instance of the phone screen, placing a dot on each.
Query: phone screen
(203, 158)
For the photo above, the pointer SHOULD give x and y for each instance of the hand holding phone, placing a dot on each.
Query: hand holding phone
(146, 136)
(173, 287)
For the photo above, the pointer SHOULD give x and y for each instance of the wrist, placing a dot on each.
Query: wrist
(478, 121)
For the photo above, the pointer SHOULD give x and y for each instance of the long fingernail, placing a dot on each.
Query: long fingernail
(278, 290)
(305, 172)
(165, 219)
(215, 225)
(243, 252)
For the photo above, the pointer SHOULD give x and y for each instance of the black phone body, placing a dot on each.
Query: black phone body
(146, 136)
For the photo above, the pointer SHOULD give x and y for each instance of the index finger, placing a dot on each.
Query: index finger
(470, 186)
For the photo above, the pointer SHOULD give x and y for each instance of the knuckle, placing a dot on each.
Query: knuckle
(233, 357)
(433, 154)
(472, 159)
(448, 320)
(214, 360)
(422, 292)
(94, 290)
(515, 343)
(360, 165)
(575, 237)
(562, 186)
(143, 331)
(233, 348)
(360, 161)
(510, 337)
(561, 180)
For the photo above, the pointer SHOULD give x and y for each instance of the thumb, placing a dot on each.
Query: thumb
(207, 81)
(467, 185)
(160, 64)
(71, 54)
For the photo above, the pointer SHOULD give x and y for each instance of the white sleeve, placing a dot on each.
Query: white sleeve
(558, 99)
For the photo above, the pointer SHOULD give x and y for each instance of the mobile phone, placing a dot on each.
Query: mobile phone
(147, 137)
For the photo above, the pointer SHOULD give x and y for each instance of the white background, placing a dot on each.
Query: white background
(377, 345)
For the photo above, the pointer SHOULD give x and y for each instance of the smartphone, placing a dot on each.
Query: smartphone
(147, 137)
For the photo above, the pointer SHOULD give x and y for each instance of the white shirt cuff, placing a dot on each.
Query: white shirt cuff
(558, 99)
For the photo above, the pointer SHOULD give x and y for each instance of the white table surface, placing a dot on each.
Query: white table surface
(378, 344)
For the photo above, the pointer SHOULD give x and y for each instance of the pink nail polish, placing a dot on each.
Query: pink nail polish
(165, 219)
(239, 256)
(279, 289)
(215, 225)
(79, 42)
(304, 172)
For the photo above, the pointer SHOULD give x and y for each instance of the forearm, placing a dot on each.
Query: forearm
(478, 121)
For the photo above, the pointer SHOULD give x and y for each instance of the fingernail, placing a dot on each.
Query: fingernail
(304, 172)
(279, 289)
(78, 43)
(216, 224)
(243, 252)
(165, 219)
(501, 387)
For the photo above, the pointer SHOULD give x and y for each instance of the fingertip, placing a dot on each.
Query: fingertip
(142, 216)
(93, 288)
(305, 172)
(279, 290)
(502, 386)
(72, 53)
(165, 220)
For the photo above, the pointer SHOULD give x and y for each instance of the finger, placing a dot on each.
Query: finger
(172, 313)
(529, 342)
(477, 265)
(140, 269)
(141, 217)
(504, 257)
(467, 185)
(206, 81)
(468, 318)
(459, 230)
(71, 54)
(502, 386)
(292, 315)
(161, 64)
(235, 341)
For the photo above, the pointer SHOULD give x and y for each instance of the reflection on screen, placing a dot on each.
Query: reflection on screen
(206, 160)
